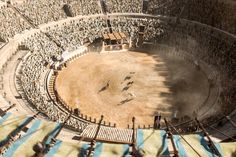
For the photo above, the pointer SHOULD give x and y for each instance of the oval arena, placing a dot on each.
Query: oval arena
(117, 78)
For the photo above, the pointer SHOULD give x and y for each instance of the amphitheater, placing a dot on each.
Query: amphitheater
(118, 78)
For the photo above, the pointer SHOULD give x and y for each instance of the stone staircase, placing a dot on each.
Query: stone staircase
(108, 134)
(51, 87)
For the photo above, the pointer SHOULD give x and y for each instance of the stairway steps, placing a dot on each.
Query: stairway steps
(108, 134)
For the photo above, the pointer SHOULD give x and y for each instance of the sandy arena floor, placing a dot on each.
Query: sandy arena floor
(117, 85)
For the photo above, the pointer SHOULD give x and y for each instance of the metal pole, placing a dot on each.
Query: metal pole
(170, 135)
(133, 145)
(184, 139)
(211, 144)
(47, 147)
(93, 142)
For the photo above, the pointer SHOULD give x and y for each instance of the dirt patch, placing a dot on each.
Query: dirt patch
(117, 85)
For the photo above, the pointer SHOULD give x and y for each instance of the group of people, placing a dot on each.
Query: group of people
(220, 14)
(75, 33)
(159, 6)
(212, 47)
(131, 26)
(11, 24)
(124, 6)
(202, 42)
(31, 80)
(40, 12)
(43, 11)
(70, 35)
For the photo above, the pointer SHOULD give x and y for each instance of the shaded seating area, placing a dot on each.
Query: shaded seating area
(9, 123)
(147, 142)
(19, 134)
(35, 133)
(20, 143)
(154, 143)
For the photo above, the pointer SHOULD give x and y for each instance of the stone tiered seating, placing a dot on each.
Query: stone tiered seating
(74, 34)
(209, 47)
(131, 27)
(51, 87)
(85, 7)
(87, 30)
(40, 12)
(165, 7)
(108, 134)
(42, 50)
(124, 6)
(11, 23)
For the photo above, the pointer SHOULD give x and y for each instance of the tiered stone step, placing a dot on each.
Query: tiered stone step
(108, 134)
(21, 15)
(51, 86)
